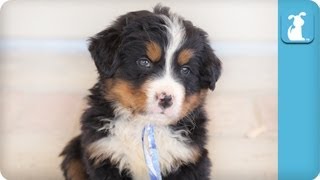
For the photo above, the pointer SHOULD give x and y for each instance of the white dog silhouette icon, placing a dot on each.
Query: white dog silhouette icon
(295, 30)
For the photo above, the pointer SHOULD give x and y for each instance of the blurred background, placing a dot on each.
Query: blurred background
(46, 71)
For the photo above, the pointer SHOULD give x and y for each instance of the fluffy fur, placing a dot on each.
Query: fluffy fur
(154, 67)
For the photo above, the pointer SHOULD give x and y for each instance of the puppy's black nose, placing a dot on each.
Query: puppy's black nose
(165, 101)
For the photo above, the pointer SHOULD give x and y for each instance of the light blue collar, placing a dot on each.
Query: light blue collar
(150, 153)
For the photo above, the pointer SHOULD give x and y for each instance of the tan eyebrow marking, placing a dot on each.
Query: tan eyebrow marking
(153, 51)
(185, 56)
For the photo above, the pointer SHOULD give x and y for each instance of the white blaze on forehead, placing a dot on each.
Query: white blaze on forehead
(175, 34)
(167, 83)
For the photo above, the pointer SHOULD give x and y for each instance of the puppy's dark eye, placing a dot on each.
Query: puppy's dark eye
(144, 62)
(185, 70)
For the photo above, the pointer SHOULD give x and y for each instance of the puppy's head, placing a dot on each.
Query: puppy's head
(155, 65)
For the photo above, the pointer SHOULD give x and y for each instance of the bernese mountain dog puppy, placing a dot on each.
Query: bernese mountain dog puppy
(154, 68)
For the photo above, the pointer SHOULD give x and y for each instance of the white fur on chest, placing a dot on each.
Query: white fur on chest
(124, 147)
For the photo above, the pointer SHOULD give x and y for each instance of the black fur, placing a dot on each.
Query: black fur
(114, 52)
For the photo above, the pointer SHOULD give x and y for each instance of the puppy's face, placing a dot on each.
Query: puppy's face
(155, 65)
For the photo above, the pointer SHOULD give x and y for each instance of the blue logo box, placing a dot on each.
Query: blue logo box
(297, 25)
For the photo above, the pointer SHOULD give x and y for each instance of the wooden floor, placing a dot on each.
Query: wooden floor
(42, 97)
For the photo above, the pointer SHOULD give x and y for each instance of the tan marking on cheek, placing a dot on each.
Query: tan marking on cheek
(76, 171)
(185, 56)
(153, 51)
(128, 96)
(191, 102)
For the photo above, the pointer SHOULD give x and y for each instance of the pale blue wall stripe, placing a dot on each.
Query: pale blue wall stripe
(58, 45)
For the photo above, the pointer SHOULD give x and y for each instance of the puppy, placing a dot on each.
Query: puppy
(154, 68)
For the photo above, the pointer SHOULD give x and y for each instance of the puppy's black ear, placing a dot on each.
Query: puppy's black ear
(211, 68)
(103, 48)
(105, 45)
